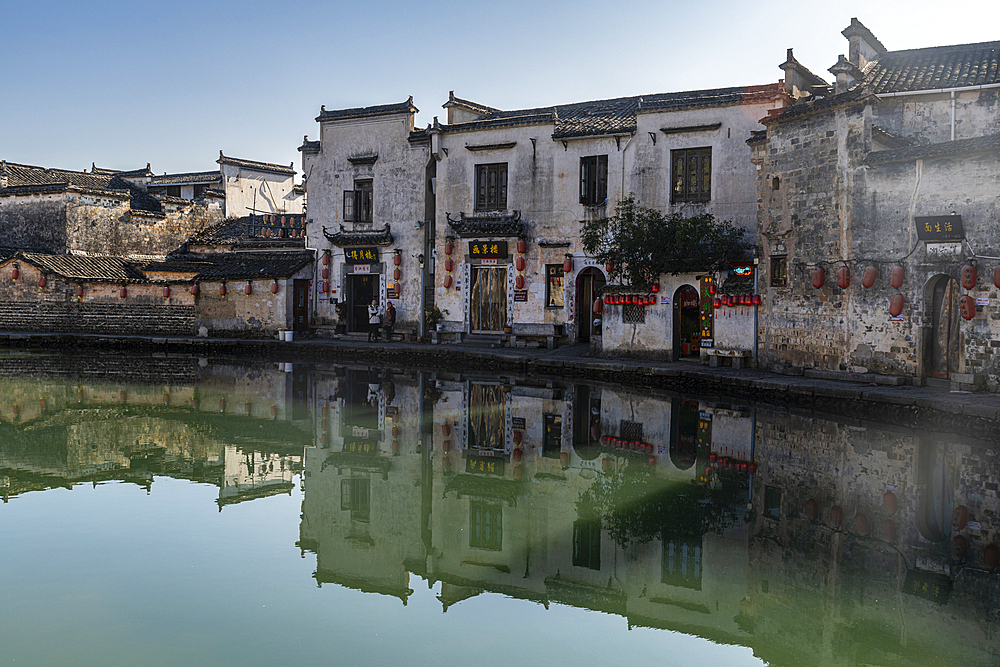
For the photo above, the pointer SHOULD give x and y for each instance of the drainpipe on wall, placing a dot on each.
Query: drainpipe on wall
(953, 115)
(756, 309)
(621, 195)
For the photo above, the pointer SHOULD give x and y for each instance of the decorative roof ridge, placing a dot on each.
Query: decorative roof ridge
(254, 164)
(367, 112)
(345, 237)
(983, 144)
(467, 104)
(859, 28)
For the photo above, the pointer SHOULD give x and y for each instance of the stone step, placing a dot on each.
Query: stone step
(847, 376)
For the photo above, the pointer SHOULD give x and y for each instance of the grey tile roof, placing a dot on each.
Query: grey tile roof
(189, 177)
(309, 146)
(349, 237)
(93, 268)
(856, 94)
(252, 265)
(474, 107)
(615, 116)
(986, 144)
(254, 232)
(488, 225)
(19, 175)
(253, 164)
(367, 112)
(935, 67)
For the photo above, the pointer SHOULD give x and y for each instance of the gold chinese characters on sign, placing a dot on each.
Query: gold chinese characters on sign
(488, 249)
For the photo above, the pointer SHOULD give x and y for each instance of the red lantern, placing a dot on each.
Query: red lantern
(716, 302)
(446, 430)
(274, 287)
(449, 247)
(812, 509)
(447, 282)
(896, 305)
(967, 306)
(818, 277)
(520, 263)
(656, 288)
(868, 279)
(598, 305)
(79, 291)
(326, 274)
(517, 455)
(969, 276)
(996, 277)
(166, 292)
(756, 299)
(395, 447)
(517, 436)
(248, 290)
(959, 518)
(568, 264)
(449, 264)
(519, 282)
(843, 277)
(395, 431)
(396, 274)
(446, 445)
(712, 289)
(123, 292)
(521, 246)
(326, 259)
(398, 259)
(222, 290)
(16, 273)
(896, 277)
(42, 281)
(564, 459)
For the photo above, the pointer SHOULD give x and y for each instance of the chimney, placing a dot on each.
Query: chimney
(847, 73)
(3, 174)
(864, 47)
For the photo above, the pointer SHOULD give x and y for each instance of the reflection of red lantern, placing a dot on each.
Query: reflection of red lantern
(446, 430)
(889, 530)
(517, 437)
(564, 459)
(889, 502)
(521, 246)
(861, 524)
(969, 276)
(517, 455)
(959, 548)
(568, 264)
(868, 279)
(447, 282)
(818, 277)
(967, 306)
(896, 277)
(395, 447)
(896, 305)
(836, 515)
(812, 509)
(843, 277)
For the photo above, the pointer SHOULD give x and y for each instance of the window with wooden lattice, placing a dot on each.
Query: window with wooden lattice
(633, 313)
(630, 430)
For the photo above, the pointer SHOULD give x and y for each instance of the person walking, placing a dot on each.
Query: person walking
(374, 320)
(389, 322)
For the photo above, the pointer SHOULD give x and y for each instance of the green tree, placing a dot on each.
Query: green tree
(642, 243)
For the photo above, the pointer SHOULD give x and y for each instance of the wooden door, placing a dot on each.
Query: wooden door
(300, 306)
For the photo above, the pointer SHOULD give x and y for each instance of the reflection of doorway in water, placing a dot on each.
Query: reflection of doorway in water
(687, 322)
(934, 494)
(587, 422)
(588, 283)
(943, 343)
(683, 433)
(360, 291)
(487, 417)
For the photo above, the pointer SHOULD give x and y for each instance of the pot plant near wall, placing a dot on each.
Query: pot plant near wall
(433, 317)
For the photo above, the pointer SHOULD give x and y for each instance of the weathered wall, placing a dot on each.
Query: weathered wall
(252, 191)
(257, 315)
(37, 221)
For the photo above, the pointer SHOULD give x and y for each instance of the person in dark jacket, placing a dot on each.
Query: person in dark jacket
(390, 321)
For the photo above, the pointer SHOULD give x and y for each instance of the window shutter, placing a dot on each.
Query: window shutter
(602, 179)
(583, 180)
(348, 205)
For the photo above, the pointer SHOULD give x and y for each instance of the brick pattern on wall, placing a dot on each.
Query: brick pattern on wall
(98, 318)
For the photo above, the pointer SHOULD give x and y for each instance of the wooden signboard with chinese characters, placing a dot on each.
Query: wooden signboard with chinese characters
(939, 228)
(487, 465)
(488, 249)
(361, 255)
(928, 585)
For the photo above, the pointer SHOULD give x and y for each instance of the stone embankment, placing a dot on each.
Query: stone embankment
(960, 414)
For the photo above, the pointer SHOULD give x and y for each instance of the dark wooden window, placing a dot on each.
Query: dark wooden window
(593, 179)
(682, 563)
(587, 544)
(485, 525)
(358, 202)
(355, 495)
(554, 290)
(692, 174)
(491, 187)
(779, 271)
(173, 191)
(772, 502)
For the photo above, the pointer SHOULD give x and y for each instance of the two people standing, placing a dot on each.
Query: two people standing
(378, 318)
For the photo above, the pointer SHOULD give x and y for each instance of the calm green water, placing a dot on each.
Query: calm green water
(186, 512)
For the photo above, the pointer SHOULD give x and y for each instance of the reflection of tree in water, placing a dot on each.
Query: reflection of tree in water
(635, 504)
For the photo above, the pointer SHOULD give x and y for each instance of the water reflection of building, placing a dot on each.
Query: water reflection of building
(871, 546)
(361, 514)
(252, 474)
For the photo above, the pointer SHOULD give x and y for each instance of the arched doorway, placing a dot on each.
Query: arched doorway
(588, 285)
(687, 323)
(942, 340)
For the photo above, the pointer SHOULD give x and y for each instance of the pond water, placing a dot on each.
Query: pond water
(186, 511)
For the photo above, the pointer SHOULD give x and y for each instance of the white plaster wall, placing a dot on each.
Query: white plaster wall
(250, 190)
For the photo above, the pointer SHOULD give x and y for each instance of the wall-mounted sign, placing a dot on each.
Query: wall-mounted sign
(489, 465)
(928, 585)
(939, 228)
(360, 255)
(742, 270)
(517, 422)
(982, 301)
(488, 249)
(361, 268)
(520, 295)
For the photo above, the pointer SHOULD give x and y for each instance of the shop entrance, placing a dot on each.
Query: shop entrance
(588, 284)
(361, 289)
(488, 299)
(944, 328)
(687, 322)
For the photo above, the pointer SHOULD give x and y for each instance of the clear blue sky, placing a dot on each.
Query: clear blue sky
(172, 83)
